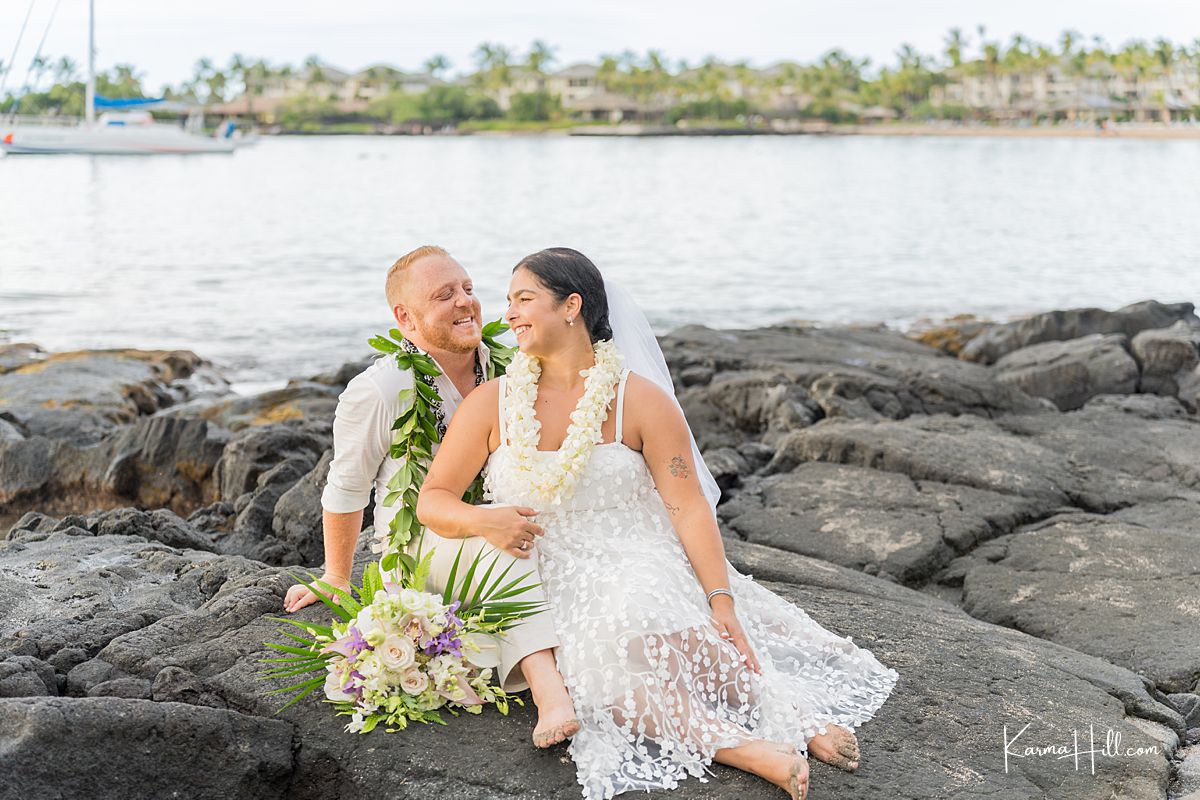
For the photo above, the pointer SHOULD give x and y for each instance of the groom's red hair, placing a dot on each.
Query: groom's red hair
(395, 276)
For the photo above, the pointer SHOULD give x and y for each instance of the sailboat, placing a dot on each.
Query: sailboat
(126, 129)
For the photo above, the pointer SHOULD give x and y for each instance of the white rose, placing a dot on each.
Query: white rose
(411, 599)
(397, 653)
(433, 605)
(414, 681)
(370, 628)
(481, 650)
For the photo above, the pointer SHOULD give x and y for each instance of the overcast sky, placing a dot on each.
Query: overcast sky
(164, 39)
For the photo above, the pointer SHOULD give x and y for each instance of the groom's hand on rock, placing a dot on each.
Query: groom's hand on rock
(511, 529)
(298, 595)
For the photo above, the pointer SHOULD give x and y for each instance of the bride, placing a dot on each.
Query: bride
(672, 658)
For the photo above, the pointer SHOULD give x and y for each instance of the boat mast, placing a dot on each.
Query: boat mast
(91, 67)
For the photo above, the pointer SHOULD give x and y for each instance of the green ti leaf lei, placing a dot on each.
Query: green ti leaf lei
(414, 434)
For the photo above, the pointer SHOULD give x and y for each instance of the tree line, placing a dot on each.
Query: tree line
(833, 87)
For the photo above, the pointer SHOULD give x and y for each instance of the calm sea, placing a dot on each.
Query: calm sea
(270, 262)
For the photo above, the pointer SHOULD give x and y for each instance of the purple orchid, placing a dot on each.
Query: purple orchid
(349, 645)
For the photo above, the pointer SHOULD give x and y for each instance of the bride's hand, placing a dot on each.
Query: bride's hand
(509, 528)
(730, 627)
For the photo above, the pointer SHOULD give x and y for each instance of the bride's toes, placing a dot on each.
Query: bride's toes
(556, 734)
(797, 783)
(837, 747)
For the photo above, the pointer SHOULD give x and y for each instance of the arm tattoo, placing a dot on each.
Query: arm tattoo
(679, 468)
(673, 509)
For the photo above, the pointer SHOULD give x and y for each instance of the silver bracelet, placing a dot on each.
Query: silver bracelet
(716, 592)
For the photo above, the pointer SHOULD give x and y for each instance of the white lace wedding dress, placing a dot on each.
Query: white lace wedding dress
(656, 689)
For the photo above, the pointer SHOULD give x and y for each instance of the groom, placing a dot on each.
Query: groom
(433, 300)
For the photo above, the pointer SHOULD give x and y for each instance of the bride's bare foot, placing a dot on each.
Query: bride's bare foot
(781, 764)
(837, 747)
(556, 723)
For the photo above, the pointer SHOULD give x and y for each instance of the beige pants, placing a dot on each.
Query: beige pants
(532, 634)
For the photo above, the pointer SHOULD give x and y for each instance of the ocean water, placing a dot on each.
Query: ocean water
(270, 262)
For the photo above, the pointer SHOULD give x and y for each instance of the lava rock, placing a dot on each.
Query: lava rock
(1072, 372)
(1056, 326)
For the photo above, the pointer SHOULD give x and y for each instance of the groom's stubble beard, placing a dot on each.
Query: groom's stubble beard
(442, 335)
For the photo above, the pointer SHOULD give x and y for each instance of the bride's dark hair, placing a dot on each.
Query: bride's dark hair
(565, 272)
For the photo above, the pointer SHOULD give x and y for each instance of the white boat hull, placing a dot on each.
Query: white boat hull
(108, 140)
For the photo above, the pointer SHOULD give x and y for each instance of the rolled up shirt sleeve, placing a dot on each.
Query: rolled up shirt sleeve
(362, 427)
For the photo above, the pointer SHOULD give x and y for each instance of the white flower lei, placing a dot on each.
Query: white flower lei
(552, 479)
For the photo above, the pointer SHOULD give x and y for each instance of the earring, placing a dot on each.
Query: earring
(571, 321)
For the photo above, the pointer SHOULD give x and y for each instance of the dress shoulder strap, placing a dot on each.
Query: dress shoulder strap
(621, 406)
(503, 427)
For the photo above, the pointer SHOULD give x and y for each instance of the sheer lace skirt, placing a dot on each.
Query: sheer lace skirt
(656, 689)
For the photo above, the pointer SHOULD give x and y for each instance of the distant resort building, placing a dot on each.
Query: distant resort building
(972, 91)
(1054, 95)
(352, 92)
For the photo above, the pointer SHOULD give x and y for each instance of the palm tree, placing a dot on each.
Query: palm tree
(1017, 57)
(991, 57)
(38, 67)
(1067, 41)
(955, 42)
(127, 80)
(540, 56)
(315, 73)
(607, 72)
(493, 63)
(1164, 53)
(255, 76)
(64, 70)
(216, 84)
(436, 65)
(237, 71)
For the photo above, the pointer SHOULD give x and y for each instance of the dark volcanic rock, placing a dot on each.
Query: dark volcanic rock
(835, 448)
(11, 430)
(215, 518)
(1162, 449)
(65, 593)
(883, 522)
(1072, 372)
(258, 468)
(164, 462)
(343, 374)
(949, 335)
(727, 467)
(19, 354)
(26, 676)
(1146, 406)
(296, 403)
(960, 680)
(1056, 326)
(297, 517)
(978, 453)
(777, 380)
(1170, 361)
(256, 450)
(108, 747)
(1125, 590)
(155, 462)
(159, 525)
(78, 397)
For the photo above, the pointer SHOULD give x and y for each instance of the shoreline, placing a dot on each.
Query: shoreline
(638, 131)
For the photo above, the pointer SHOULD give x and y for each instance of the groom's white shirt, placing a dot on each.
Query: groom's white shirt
(362, 435)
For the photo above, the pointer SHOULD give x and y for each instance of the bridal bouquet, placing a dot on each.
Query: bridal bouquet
(400, 654)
